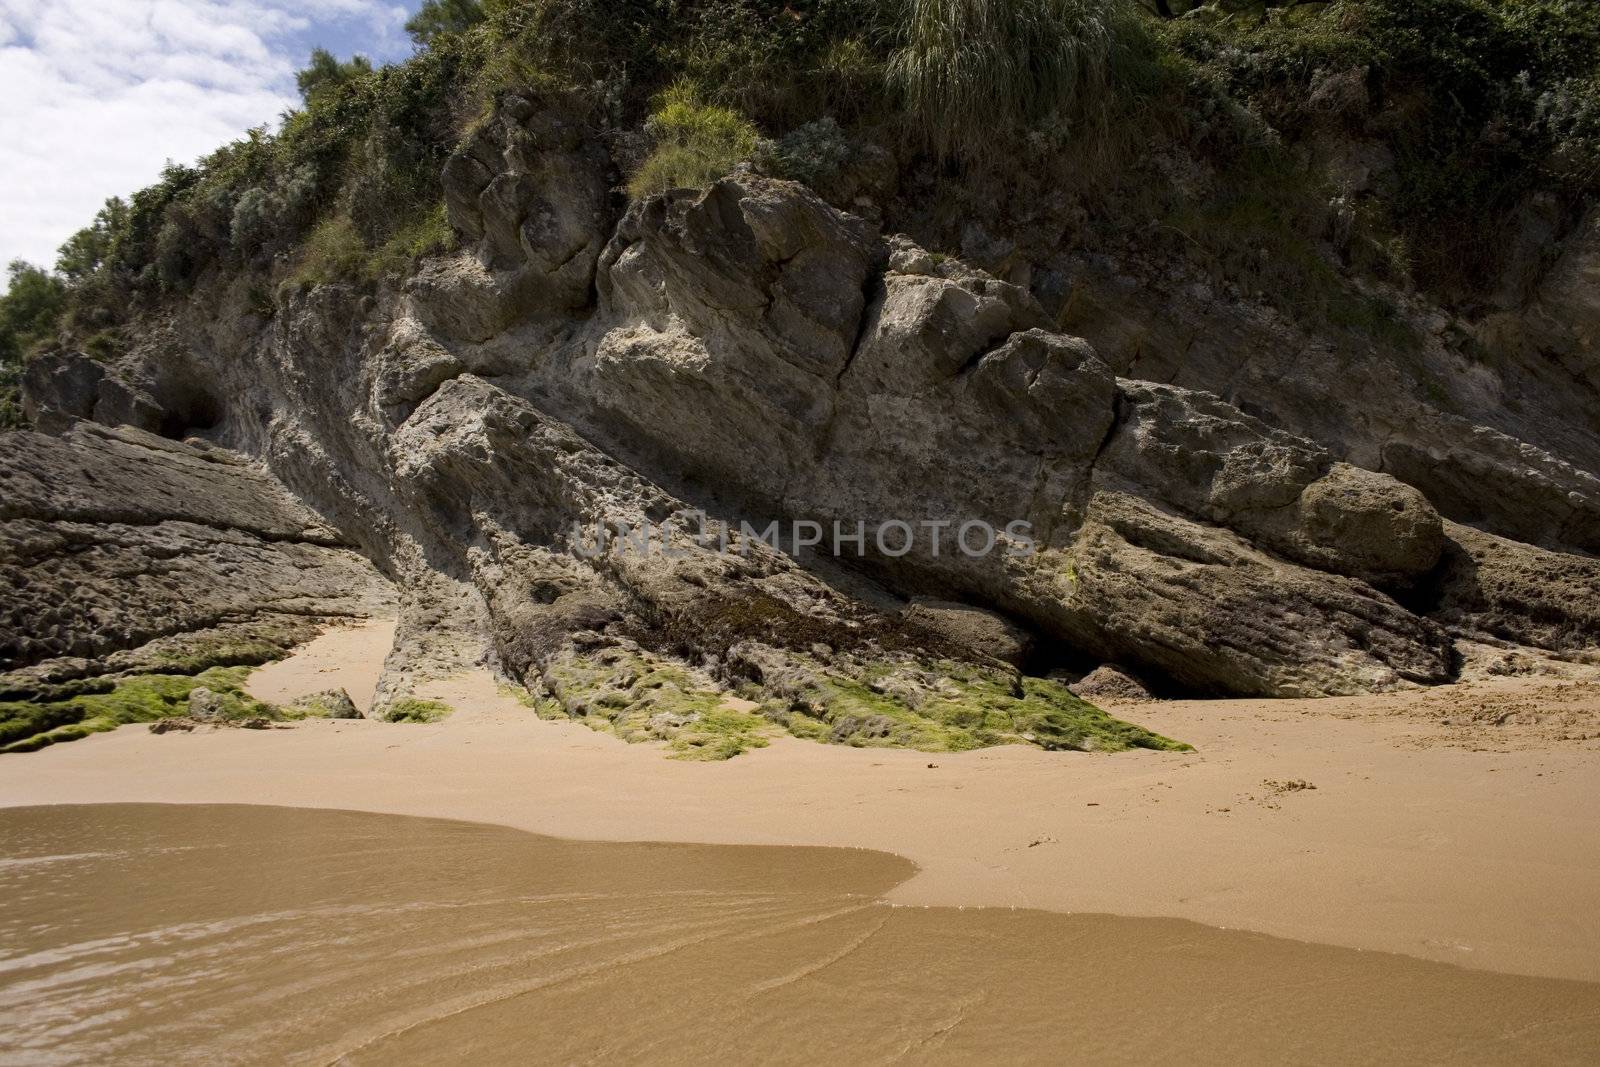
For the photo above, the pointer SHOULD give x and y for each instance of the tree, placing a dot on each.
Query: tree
(87, 249)
(325, 72)
(443, 16)
(32, 304)
(29, 310)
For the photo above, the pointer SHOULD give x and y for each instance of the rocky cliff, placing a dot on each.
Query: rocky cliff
(1196, 495)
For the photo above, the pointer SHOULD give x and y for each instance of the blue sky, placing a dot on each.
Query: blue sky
(96, 95)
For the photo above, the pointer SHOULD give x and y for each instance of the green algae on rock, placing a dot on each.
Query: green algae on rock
(28, 725)
(639, 696)
(328, 704)
(946, 706)
(902, 702)
(410, 709)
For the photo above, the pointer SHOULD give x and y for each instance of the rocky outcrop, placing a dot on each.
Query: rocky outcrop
(530, 191)
(121, 551)
(1562, 319)
(719, 360)
(1494, 422)
(1492, 588)
(1202, 607)
(328, 704)
(945, 401)
(1108, 683)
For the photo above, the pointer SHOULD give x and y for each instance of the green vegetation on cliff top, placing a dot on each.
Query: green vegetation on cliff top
(1478, 105)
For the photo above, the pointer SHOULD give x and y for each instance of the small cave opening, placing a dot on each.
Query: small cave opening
(1048, 656)
(191, 411)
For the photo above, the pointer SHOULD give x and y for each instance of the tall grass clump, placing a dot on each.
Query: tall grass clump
(696, 142)
(969, 70)
(332, 252)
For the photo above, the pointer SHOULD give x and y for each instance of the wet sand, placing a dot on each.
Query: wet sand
(1469, 842)
(156, 934)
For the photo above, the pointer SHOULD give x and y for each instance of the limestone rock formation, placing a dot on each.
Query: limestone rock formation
(749, 354)
(1519, 594)
(1109, 682)
(328, 704)
(122, 551)
(1500, 430)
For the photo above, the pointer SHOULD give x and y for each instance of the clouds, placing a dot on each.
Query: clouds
(95, 95)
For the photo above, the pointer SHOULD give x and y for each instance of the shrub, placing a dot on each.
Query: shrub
(30, 312)
(30, 307)
(175, 247)
(780, 64)
(333, 252)
(696, 143)
(436, 17)
(1480, 101)
(254, 218)
(104, 346)
(326, 74)
(1569, 116)
(11, 414)
(426, 233)
(85, 251)
(969, 70)
(815, 153)
(133, 247)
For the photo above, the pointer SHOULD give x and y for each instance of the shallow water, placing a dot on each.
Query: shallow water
(161, 934)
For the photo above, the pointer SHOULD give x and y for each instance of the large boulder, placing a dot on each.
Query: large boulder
(60, 389)
(1200, 454)
(530, 189)
(116, 540)
(1492, 587)
(1200, 606)
(529, 194)
(726, 320)
(979, 632)
(327, 704)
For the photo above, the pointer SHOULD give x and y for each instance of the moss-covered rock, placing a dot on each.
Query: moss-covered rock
(637, 695)
(896, 701)
(411, 709)
(947, 706)
(328, 704)
(28, 725)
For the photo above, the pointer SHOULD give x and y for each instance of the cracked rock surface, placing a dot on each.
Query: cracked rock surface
(120, 550)
(749, 353)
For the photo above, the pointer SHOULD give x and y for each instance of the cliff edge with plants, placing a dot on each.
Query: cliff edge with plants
(1274, 326)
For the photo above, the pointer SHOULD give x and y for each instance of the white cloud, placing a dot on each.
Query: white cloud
(96, 95)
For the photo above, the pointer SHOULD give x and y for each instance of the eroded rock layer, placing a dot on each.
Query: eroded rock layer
(744, 354)
(122, 551)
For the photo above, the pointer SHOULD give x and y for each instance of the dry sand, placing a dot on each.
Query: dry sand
(345, 657)
(1472, 841)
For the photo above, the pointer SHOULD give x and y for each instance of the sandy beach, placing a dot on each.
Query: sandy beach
(270, 935)
(1452, 824)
